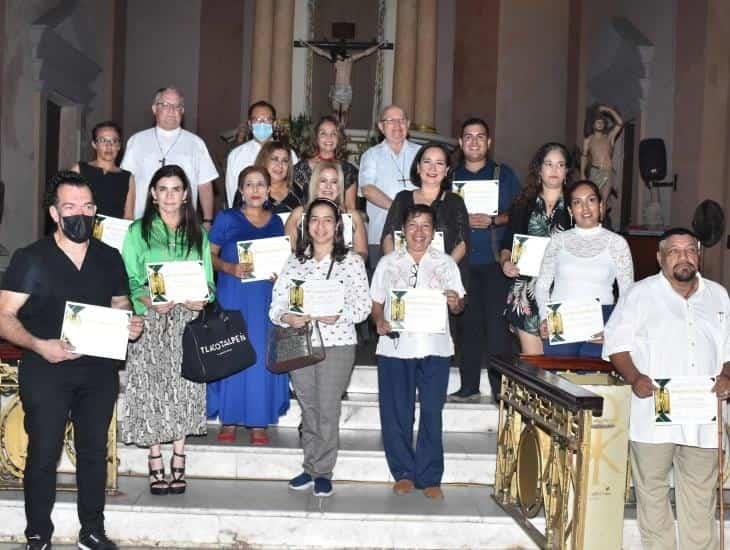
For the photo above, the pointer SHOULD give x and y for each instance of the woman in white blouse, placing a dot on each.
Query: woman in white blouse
(582, 264)
(410, 361)
(322, 254)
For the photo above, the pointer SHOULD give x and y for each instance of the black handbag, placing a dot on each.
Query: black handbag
(216, 345)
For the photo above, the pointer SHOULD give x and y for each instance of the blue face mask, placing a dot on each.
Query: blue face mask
(262, 130)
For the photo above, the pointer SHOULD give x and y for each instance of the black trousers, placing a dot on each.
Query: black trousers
(50, 395)
(484, 328)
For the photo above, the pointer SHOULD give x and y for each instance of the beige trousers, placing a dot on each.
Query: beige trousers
(695, 480)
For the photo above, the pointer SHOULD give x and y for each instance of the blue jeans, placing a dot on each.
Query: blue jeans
(578, 349)
(398, 380)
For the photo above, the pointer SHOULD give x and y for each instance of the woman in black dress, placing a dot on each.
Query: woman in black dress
(431, 173)
(113, 187)
(275, 158)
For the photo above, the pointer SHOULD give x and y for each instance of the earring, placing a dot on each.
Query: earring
(570, 213)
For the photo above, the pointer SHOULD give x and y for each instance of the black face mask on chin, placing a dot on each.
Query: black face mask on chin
(77, 228)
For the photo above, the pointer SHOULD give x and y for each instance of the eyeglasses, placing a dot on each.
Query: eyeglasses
(394, 121)
(413, 279)
(261, 119)
(114, 142)
(165, 106)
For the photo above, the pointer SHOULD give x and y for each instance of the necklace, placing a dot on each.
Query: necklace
(164, 155)
(401, 169)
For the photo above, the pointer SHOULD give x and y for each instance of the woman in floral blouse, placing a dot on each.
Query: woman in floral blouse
(322, 254)
(539, 210)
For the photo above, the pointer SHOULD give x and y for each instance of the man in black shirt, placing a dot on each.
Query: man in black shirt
(55, 382)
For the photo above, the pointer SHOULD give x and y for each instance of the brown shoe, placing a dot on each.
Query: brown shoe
(434, 492)
(403, 486)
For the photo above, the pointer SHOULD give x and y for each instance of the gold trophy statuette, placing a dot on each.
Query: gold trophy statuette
(98, 231)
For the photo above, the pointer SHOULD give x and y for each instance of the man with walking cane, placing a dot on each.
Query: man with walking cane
(670, 326)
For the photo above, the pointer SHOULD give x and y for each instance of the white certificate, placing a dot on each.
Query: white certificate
(527, 253)
(480, 196)
(417, 310)
(437, 243)
(316, 297)
(96, 330)
(284, 216)
(685, 400)
(111, 230)
(347, 229)
(177, 282)
(267, 256)
(574, 320)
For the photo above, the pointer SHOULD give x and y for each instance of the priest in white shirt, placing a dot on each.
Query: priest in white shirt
(385, 171)
(168, 143)
(261, 124)
(671, 324)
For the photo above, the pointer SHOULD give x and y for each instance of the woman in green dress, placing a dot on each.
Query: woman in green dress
(159, 405)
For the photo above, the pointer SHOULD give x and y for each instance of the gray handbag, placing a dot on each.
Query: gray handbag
(292, 348)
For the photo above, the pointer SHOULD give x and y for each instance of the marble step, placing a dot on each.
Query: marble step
(360, 412)
(265, 514)
(364, 379)
(468, 458)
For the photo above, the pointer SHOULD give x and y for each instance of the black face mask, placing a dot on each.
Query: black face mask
(78, 228)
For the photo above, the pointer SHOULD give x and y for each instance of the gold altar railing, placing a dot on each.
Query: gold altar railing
(546, 467)
(14, 440)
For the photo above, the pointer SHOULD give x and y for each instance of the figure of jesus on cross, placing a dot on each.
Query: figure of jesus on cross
(341, 90)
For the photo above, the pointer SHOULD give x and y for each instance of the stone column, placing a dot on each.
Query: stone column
(262, 46)
(425, 81)
(405, 55)
(281, 59)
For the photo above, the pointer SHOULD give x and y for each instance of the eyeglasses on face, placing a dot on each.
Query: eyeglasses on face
(165, 106)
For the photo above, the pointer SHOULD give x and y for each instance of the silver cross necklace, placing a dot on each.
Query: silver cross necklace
(164, 154)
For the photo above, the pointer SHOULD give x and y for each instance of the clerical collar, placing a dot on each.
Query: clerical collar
(167, 134)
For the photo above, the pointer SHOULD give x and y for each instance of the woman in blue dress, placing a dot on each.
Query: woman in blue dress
(254, 397)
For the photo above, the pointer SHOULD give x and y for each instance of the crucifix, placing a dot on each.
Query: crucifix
(336, 52)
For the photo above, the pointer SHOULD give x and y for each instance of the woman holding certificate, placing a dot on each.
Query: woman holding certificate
(538, 211)
(165, 252)
(412, 290)
(275, 158)
(328, 182)
(430, 173)
(253, 397)
(334, 296)
(328, 142)
(580, 265)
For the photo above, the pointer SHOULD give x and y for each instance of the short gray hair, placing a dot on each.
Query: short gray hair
(392, 106)
(159, 92)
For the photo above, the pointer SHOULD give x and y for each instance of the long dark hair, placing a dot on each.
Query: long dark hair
(188, 231)
(305, 249)
(416, 177)
(312, 150)
(533, 183)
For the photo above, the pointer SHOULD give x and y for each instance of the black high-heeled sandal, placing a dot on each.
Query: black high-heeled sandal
(177, 483)
(158, 484)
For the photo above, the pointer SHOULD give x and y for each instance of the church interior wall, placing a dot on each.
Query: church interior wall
(532, 79)
(163, 49)
(85, 26)
(476, 60)
(221, 49)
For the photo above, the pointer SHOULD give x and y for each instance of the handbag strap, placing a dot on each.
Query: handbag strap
(329, 271)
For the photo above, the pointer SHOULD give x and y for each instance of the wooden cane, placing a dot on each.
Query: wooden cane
(721, 471)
